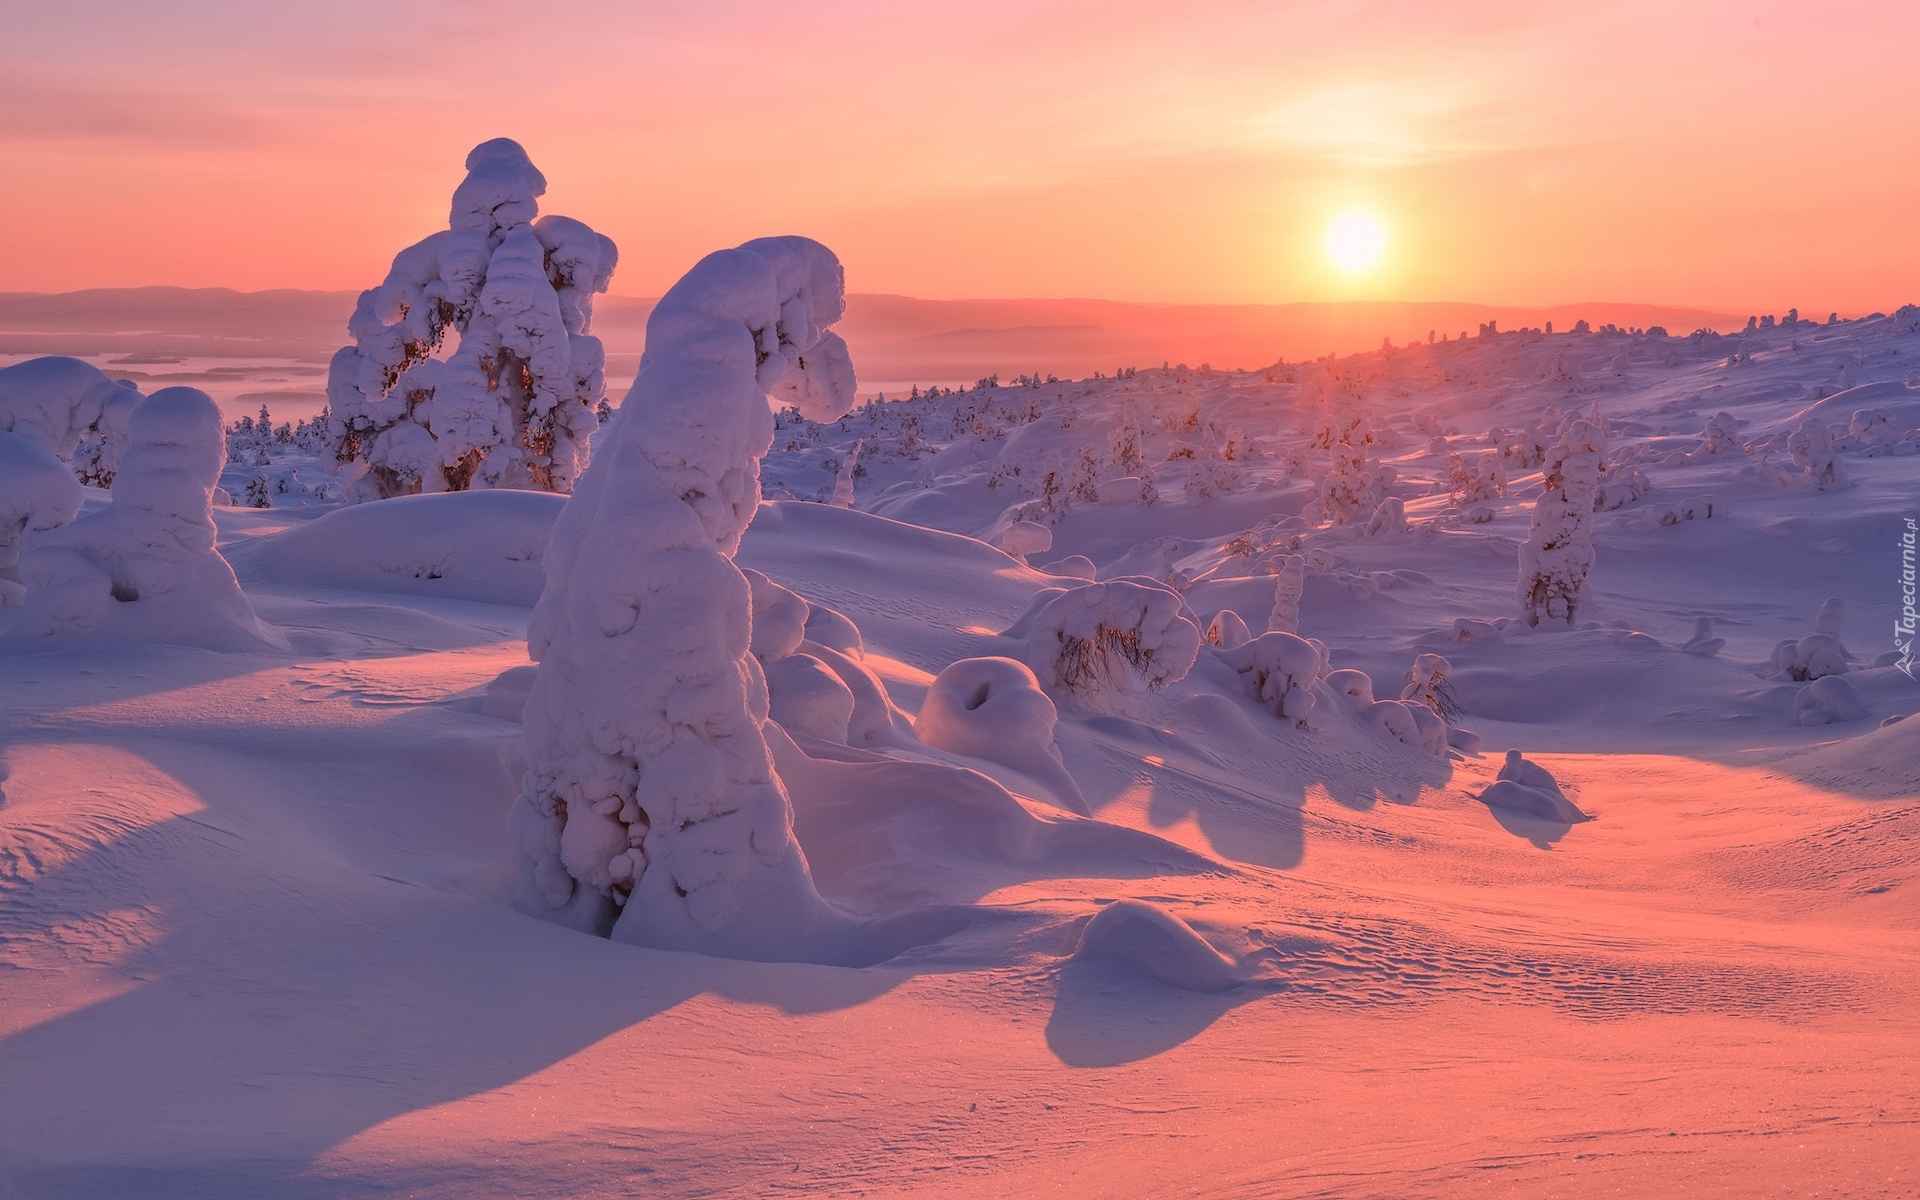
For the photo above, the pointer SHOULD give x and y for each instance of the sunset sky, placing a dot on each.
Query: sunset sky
(1746, 156)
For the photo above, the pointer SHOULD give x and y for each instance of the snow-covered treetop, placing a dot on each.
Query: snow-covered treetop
(742, 325)
(500, 190)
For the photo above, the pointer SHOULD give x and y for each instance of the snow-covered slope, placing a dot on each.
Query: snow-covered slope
(256, 935)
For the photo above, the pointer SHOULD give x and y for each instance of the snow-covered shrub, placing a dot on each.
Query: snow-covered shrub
(1721, 436)
(70, 409)
(1427, 685)
(1620, 488)
(1557, 556)
(1227, 630)
(1811, 448)
(1389, 517)
(1811, 657)
(650, 794)
(1118, 637)
(37, 495)
(145, 568)
(1482, 477)
(1289, 584)
(1348, 489)
(843, 480)
(780, 617)
(1827, 701)
(512, 405)
(1279, 670)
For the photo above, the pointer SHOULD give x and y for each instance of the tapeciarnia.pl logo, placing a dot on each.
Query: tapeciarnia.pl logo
(1903, 625)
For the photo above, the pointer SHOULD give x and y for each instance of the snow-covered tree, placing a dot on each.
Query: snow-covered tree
(1557, 556)
(71, 409)
(513, 403)
(37, 494)
(651, 805)
(145, 568)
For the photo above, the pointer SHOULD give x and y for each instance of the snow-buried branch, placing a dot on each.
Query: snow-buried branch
(651, 800)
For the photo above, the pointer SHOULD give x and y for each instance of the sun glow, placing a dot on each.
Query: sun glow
(1355, 242)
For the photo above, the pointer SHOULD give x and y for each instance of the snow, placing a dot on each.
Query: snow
(38, 493)
(511, 404)
(962, 921)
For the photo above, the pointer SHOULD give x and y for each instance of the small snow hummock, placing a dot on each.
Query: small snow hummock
(651, 808)
(1557, 556)
(1526, 787)
(993, 708)
(37, 495)
(145, 568)
(1279, 670)
(513, 404)
(1828, 700)
(1111, 639)
(1023, 538)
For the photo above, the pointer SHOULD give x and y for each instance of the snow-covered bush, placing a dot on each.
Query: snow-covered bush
(806, 696)
(1558, 556)
(1289, 584)
(1389, 517)
(1348, 489)
(1427, 685)
(1279, 670)
(1353, 686)
(70, 409)
(1482, 477)
(1620, 488)
(1812, 450)
(1828, 701)
(1411, 724)
(1721, 436)
(145, 568)
(1811, 657)
(650, 799)
(1119, 637)
(1227, 630)
(512, 405)
(37, 495)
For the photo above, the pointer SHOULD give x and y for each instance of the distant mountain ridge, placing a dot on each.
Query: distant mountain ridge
(894, 338)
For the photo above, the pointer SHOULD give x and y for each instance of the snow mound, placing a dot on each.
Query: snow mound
(1279, 670)
(485, 545)
(1527, 787)
(993, 708)
(145, 568)
(1153, 942)
(54, 402)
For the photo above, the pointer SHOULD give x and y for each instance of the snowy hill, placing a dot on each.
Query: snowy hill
(1269, 906)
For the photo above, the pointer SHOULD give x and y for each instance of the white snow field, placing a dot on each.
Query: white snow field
(991, 877)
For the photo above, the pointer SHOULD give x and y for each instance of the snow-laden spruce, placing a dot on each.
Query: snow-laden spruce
(37, 495)
(1557, 556)
(512, 404)
(71, 409)
(651, 798)
(145, 568)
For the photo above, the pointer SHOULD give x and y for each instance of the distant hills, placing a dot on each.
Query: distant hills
(895, 340)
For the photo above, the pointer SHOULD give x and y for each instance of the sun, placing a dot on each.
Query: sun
(1355, 242)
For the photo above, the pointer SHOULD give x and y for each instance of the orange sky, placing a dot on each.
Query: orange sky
(1745, 156)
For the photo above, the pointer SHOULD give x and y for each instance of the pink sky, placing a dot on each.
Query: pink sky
(1745, 156)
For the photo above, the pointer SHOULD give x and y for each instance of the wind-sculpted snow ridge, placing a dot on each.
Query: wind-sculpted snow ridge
(512, 406)
(145, 568)
(651, 807)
